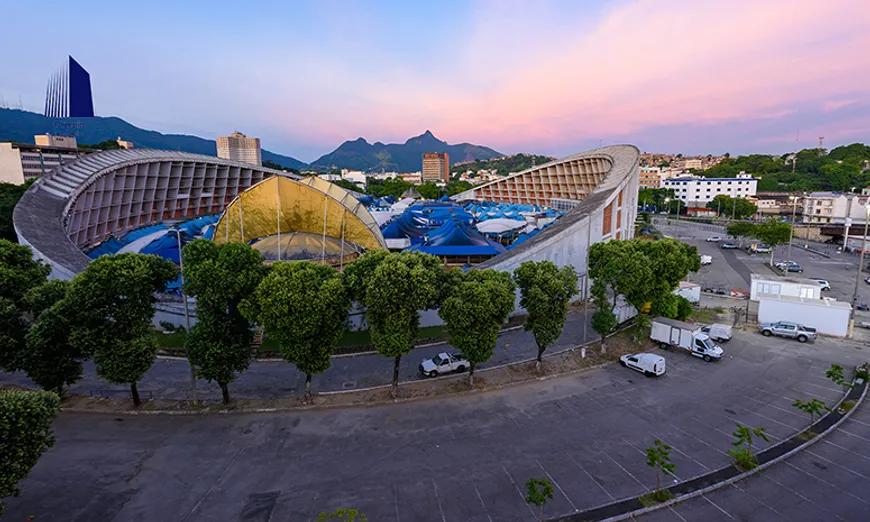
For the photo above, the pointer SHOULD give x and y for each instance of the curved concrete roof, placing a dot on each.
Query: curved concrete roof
(41, 218)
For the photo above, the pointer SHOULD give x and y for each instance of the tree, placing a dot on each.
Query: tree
(304, 306)
(658, 456)
(741, 230)
(736, 208)
(475, 311)
(343, 515)
(9, 196)
(835, 373)
(772, 233)
(455, 187)
(540, 491)
(25, 434)
(19, 275)
(603, 319)
(43, 297)
(742, 452)
(394, 287)
(545, 290)
(684, 308)
(347, 185)
(812, 407)
(221, 277)
(429, 190)
(111, 305)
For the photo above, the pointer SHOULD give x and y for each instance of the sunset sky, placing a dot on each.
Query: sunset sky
(690, 76)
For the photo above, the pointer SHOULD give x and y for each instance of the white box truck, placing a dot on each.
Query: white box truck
(691, 291)
(670, 332)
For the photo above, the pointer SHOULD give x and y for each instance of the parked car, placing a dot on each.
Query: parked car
(714, 239)
(672, 333)
(649, 364)
(759, 248)
(825, 284)
(863, 307)
(717, 332)
(706, 260)
(728, 246)
(867, 280)
(443, 363)
(792, 330)
(791, 265)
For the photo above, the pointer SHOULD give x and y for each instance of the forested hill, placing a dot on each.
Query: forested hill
(505, 165)
(838, 170)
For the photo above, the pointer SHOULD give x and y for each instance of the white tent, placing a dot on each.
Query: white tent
(500, 226)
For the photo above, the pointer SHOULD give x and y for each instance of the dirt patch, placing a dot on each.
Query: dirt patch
(556, 365)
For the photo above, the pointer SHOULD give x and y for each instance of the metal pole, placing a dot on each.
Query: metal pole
(858, 273)
(790, 234)
(586, 283)
(278, 212)
(186, 315)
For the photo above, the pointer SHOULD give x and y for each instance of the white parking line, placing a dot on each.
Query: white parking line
(834, 444)
(698, 439)
(805, 499)
(849, 433)
(438, 499)
(850, 470)
(730, 435)
(856, 421)
(717, 507)
(680, 452)
(789, 399)
(823, 481)
(532, 511)
(396, 499)
(753, 497)
(678, 515)
(771, 420)
(562, 491)
(824, 387)
(590, 476)
(795, 413)
(623, 469)
(481, 500)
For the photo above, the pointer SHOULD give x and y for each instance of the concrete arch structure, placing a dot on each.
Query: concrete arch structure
(85, 201)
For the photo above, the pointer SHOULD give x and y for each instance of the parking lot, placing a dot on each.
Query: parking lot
(459, 459)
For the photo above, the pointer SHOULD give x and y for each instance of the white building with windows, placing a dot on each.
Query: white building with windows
(697, 192)
(835, 208)
(20, 162)
(238, 147)
(776, 286)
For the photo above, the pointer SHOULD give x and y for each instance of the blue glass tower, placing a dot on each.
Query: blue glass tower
(68, 94)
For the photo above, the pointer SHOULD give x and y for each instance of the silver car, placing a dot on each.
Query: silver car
(792, 330)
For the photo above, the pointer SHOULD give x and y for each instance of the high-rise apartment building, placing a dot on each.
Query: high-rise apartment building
(436, 167)
(239, 147)
(68, 94)
(20, 161)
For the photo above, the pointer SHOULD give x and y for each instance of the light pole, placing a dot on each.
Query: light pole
(791, 232)
(858, 272)
(186, 314)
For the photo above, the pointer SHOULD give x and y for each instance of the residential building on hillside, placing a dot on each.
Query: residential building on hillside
(239, 147)
(650, 177)
(778, 203)
(356, 177)
(21, 161)
(56, 142)
(124, 144)
(697, 192)
(835, 208)
(693, 164)
(436, 166)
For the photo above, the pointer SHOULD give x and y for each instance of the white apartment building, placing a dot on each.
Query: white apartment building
(21, 161)
(239, 147)
(697, 192)
(356, 177)
(835, 208)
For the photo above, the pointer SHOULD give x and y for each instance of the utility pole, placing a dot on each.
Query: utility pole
(821, 142)
(858, 272)
(186, 316)
(791, 232)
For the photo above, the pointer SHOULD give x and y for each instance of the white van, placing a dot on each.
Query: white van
(649, 364)
(718, 332)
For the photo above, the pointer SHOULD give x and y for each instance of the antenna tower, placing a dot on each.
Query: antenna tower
(821, 142)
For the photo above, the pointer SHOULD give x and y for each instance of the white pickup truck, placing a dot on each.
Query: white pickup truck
(443, 363)
(670, 332)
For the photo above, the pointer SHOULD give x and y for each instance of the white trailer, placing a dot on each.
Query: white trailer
(691, 291)
(827, 316)
(624, 311)
(672, 333)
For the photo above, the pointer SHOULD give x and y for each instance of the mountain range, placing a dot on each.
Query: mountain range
(399, 157)
(21, 126)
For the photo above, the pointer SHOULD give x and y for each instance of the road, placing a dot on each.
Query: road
(457, 459)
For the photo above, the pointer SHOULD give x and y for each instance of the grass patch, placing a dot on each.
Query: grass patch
(847, 405)
(175, 340)
(656, 497)
(704, 315)
(806, 435)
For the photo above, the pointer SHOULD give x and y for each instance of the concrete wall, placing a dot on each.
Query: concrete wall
(827, 316)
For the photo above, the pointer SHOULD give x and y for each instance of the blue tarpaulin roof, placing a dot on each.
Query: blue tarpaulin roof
(454, 238)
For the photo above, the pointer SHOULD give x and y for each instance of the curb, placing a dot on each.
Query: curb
(746, 474)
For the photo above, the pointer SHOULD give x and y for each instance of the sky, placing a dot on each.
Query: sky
(547, 77)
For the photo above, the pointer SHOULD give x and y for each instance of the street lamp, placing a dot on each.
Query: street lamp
(791, 231)
(186, 313)
(860, 269)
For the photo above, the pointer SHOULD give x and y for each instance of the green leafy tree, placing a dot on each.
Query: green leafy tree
(343, 515)
(475, 311)
(429, 190)
(25, 434)
(684, 308)
(19, 275)
(545, 291)
(304, 306)
(389, 187)
(735, 208)
(658, 456)
(540, 492)
(741, 230)
(347, 185)
(394, 287)
(51, 360)
(44, 296)
(455, 187)
(813, 408)
(603, 319)
(221, 277)
(9, 196)
(742, 452)
(111, 305)
(773, 233)
(835, 373)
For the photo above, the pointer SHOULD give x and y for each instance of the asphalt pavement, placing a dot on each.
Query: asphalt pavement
(456, 459)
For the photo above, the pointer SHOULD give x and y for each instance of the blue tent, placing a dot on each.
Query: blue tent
(167, 246)
(454, 238)
(405, 225)
(110, 246)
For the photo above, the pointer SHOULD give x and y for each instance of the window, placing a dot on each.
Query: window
(768, 288)
(807, 293)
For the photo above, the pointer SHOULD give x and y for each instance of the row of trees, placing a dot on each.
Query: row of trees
(51, 327)
(771, 232)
